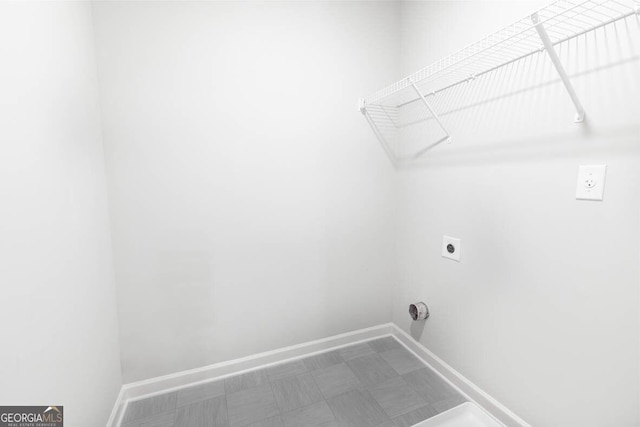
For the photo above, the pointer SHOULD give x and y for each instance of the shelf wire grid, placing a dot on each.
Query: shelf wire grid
(563, 20)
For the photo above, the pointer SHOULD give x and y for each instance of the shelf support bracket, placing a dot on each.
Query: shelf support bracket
(433, 113)
(548, 46)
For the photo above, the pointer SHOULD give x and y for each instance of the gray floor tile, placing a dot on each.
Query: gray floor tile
(371, 369)
(269, 422)
(200, 392)
(208, 413)
(397, 397)
(312, 415)
(324, 360)
(385, 344)
(452, 402)
(402, 361)
(291, 368)
(357, 350)
(357, 408)
(149, 407)
(414, 417)
(295, 391)
(386, 423)
(164, 419)
(430, 386)
(381, 384)
(335, 380)
(245, 381)
(251, 405)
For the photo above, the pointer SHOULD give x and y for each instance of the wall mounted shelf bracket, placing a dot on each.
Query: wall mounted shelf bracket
(548, 46)
(433, 113)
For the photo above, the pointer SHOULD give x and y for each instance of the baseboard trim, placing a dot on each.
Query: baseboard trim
(460, 382)
(176, 381)
(179, 380)
(118, 410)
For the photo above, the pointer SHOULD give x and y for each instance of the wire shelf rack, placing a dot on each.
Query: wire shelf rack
(556, 23)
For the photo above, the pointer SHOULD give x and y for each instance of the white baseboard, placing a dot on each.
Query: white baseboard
(148, 388)
(461, 383)
(154, 386)
(118, 410)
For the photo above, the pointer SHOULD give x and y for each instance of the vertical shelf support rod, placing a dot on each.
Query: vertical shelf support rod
(548, 46)
(435, 116)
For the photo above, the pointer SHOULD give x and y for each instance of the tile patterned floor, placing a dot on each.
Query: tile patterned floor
(377, 383)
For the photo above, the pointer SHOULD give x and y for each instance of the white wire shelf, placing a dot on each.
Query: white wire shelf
(556, 23)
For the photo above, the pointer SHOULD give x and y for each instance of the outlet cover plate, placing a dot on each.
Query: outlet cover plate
(590, 184)
(451, 248)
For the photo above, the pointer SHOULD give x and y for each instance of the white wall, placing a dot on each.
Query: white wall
(542, 310)
(251, 209)
(58, 321)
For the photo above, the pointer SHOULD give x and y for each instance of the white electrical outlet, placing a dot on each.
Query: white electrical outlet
(590, 184)
(451, 248)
